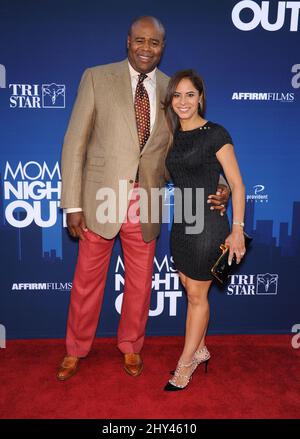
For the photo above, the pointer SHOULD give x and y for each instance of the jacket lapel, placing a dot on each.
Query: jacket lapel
(123, 95)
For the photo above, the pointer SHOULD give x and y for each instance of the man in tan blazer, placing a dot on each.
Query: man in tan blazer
(103, 147)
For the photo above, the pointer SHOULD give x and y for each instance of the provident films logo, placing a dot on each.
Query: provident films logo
(259, 195)
(2, 337)
(252, 285)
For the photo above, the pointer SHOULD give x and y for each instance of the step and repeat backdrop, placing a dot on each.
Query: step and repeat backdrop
(248, 53)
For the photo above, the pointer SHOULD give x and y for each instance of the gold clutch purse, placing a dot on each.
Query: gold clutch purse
(221, 269)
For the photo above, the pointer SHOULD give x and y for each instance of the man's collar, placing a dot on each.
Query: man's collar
(151, 75)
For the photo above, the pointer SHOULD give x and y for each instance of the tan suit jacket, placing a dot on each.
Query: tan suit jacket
(101, 147)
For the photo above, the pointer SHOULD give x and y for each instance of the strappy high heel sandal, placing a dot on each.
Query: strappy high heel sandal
(173, 385)
(201, 355)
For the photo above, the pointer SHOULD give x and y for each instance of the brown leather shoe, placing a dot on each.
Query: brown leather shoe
(133, 364)
(67, 368)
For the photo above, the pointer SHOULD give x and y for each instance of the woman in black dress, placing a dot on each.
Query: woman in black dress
(199, 151)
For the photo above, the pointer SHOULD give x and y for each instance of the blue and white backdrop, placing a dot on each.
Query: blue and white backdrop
(248, 53)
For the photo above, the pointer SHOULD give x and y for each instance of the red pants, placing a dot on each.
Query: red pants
(89, 283)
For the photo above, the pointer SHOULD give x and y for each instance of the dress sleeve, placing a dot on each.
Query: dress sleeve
(221, 138)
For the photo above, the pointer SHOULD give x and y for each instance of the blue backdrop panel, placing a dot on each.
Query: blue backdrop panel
(248, 54)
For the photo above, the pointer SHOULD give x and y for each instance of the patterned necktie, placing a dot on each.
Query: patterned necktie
(142, 111)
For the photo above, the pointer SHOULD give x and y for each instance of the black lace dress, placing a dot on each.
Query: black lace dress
(193, 164)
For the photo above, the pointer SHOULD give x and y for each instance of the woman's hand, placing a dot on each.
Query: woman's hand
(236, 243)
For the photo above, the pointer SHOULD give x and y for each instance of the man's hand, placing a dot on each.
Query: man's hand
(76, 224)
(220, 200)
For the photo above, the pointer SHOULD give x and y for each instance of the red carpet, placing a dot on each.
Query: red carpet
(250, 376)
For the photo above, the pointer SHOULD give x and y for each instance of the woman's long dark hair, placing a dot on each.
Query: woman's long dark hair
(171, 116)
